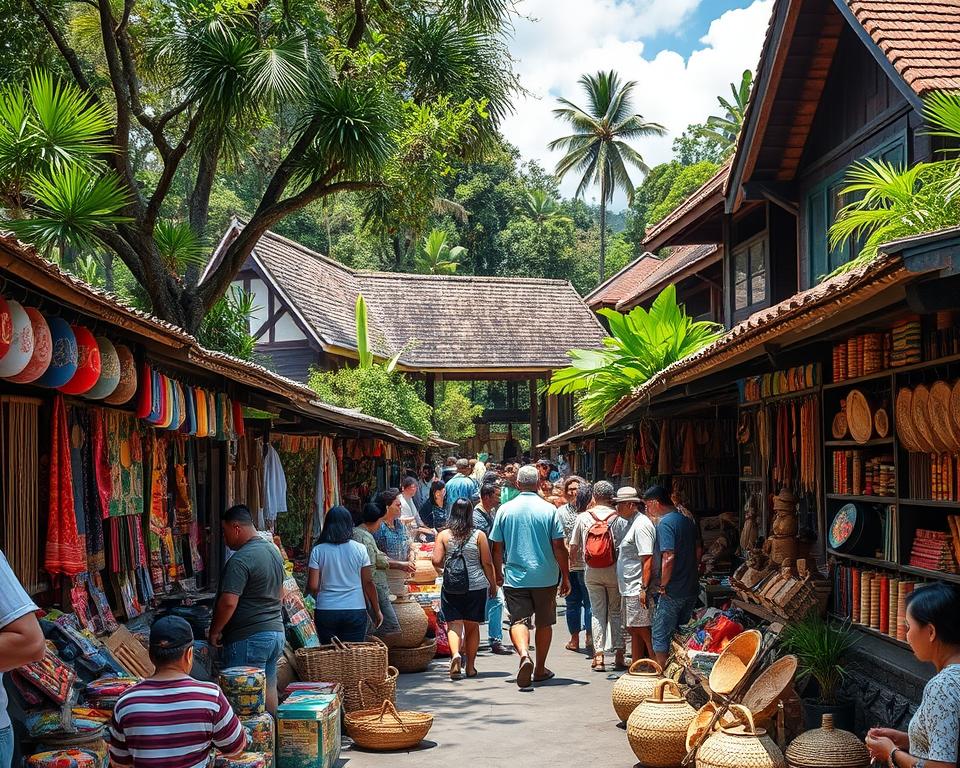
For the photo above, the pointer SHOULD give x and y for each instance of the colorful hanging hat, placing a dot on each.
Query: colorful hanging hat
(109, 370)
(211, 414)
(88, 363)
(156, 398)
(21, 344)
(238, 419)
(190, 422)
(6, 327)
(181, 406)
(63, 362)
(127, 387)
(201, 403)
(169, 414)
(42, 347)
(145, 392)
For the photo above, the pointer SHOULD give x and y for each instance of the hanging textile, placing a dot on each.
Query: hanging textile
(162, 558)
(255, 477)
(274, 486)
(124, 450)
(86, 493)
(21, 491)
(64, 552)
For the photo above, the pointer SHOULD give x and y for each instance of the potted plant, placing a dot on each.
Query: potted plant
(820, 647)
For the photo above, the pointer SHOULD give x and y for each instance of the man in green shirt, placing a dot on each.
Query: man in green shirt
(508, 488)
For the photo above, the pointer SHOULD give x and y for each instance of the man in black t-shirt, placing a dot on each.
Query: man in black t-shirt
(248, 618)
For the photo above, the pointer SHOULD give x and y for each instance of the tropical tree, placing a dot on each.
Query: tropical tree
(597, 150)
(641, 345)
(352, 97)
(436, 257)
(889, 202)
(541, 207)
(725, 129)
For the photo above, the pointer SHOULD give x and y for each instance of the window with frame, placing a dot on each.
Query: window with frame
(826, 200)
(750, 274)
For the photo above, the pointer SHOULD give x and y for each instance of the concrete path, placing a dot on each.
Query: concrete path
(488, 722)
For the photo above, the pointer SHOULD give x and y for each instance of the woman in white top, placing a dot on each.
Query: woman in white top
(340, 576)
(933, 633)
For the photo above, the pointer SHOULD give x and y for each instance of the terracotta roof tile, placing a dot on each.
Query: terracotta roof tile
(624, 283)
(716, 184)
(681, 257)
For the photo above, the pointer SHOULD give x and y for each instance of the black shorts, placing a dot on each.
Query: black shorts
(471, 606)
(540, 603)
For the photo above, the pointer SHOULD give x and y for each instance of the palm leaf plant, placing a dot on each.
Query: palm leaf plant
(641, 344)
(436, 257)
(725, 128)
(598, 150)
(820, 647)
(541, 207)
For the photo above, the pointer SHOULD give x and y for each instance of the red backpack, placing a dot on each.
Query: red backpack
(599, 550)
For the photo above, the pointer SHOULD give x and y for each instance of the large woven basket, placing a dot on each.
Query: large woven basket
(657, 729)
(955, 406)
(413, 625)
(903, 410)
(368, 692)
(921, 421)
(772, 685)
(735, 661)
(859, 416)
(740, 746)
(938, 412)
(827, 746)
(385, 728)
(634, 686)
(697, 731)
(414, 659)
(345, 663)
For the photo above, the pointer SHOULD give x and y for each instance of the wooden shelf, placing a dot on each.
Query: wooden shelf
(782, 396)
(886, 373)
(855, 444)
(939, 575)
(751, 479)
(878, 633)
(893, 371)
(863, 499)
(889, 564)
(930, 503)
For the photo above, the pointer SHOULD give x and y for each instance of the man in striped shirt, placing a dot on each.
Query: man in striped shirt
(171, 720)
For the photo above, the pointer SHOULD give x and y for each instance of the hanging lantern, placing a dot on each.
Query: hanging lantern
(88, 363)
(42, 347)
(109, 370)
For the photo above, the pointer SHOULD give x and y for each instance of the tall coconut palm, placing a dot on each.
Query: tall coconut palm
(725, 129)
(598, 150)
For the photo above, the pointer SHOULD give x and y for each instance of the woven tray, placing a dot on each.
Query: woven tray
(859, 416)
(938, 412)
(385, 728)
(921, 421)
(903, 410)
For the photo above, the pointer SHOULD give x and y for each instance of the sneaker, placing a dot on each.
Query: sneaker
(498, 649)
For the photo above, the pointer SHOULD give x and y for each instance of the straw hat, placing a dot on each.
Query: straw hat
(625, 494)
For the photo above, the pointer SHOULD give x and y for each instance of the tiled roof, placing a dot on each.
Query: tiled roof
(438, 321)
(682, 257)
(624, 283)
(921, 38)
(715, 185)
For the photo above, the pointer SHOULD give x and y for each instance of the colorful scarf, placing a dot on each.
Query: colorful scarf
(64, 551)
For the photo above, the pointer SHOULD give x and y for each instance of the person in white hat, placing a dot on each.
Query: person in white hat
(635, 571)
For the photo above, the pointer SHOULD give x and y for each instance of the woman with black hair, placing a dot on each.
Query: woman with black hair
(393, 540)
(933, 632)
(367, 522)
(432, 512)
(463, 554)
(340, 576)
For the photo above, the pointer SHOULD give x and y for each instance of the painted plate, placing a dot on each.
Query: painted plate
(843, 526)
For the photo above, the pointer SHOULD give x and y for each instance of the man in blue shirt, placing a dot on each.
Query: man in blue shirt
(676, 564)
(530, 559)
(461, 486)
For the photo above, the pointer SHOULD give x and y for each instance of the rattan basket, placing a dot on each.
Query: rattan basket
(413, 625)
(414, 659)
(740, 746)
(701, 722)
(827, 746)
(657, 729)
(955, 406)
(921, 422)
(859, 416)
(385, 728)
(367, 693)
(903, 410)
(938, 412)
(735, 661)
(345, 663)
(634, 686)
(772, 685)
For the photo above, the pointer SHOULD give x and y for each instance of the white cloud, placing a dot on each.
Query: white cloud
(559, 40)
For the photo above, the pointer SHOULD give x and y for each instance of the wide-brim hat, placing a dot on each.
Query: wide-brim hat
(625, 494)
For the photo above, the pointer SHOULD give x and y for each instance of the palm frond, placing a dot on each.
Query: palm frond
(179, 246)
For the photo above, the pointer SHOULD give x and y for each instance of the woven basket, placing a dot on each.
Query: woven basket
(827, 747)
(368, 692)
(657, 728)
(735, 661)
(881, 422)
(740, 746)
(772, 685)
(697, 728)
(955, 406)
(938, 413)
(859, 416)
(425, 573)
(413, 659)
(921, 421)
(345, 663)
(413, 625)
(385, 728)
(634, 686)
(903, 410)
(839, 426)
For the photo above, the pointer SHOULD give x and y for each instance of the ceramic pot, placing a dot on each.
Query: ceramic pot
(413, 625)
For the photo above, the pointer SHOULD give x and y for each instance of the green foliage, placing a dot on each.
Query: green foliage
(436, 257)
(641, 344)
(179, 245)
(226, 327)
(364, 353)
(697, 144)
(455, 412)
(376, 392)
(725, 128)
(820, 647)
(686, 181)
(888, 202)
(541, 207)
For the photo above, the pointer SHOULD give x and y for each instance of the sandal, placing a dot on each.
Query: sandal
(547, 675)
(455, 668)
(572, 646)
(525, 673)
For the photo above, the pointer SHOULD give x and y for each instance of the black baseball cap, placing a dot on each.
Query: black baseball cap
(657, 493)
(170, 632)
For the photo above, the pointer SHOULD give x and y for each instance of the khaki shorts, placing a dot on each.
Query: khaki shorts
(540, 603)
(635, 612)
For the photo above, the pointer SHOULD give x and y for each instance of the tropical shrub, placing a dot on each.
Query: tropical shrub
(455, 413)
(641, 345)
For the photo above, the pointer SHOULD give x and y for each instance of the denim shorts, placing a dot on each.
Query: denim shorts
(262, 650)
(670, 614)
(6, 745)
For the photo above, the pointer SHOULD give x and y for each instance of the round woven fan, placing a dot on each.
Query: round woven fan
(881, 422)
(955, 407)
(904, 414)
(938, 411)
(839, 427)
(859, 416)
(921, 421)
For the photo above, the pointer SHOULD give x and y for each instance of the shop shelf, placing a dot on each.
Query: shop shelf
(939, 575)
(859, 380)
(855, 444)
(864, 499)
(888, 564)
(930, 503)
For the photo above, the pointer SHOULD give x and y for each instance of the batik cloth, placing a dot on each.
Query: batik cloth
(64, 551)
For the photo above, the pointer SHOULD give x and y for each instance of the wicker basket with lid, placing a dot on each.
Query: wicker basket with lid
(635, 685)
(657, 729)
(827, 746)
(740, 746)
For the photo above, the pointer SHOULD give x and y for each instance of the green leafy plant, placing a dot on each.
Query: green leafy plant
(226, 327)
(641, 344)
(436, 257)
(888, 202)
(455, 412)
(820, 647)
(725, 128)
(597, 150)
(541, 207)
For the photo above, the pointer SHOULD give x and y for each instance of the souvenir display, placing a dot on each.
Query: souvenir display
(308, 731)
(635, 685)
(88, 363)
(42, 348)
(109, 377)
(20, 350)
(245, 688)
(127, 385)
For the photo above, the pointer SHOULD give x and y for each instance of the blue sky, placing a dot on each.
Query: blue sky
(681, 53)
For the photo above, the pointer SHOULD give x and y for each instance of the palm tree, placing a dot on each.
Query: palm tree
(598, 150)
(436, 257)
(541, 207)
(724, 130)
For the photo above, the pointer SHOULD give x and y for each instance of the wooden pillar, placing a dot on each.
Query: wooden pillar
(534, 418)
(430, 386)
